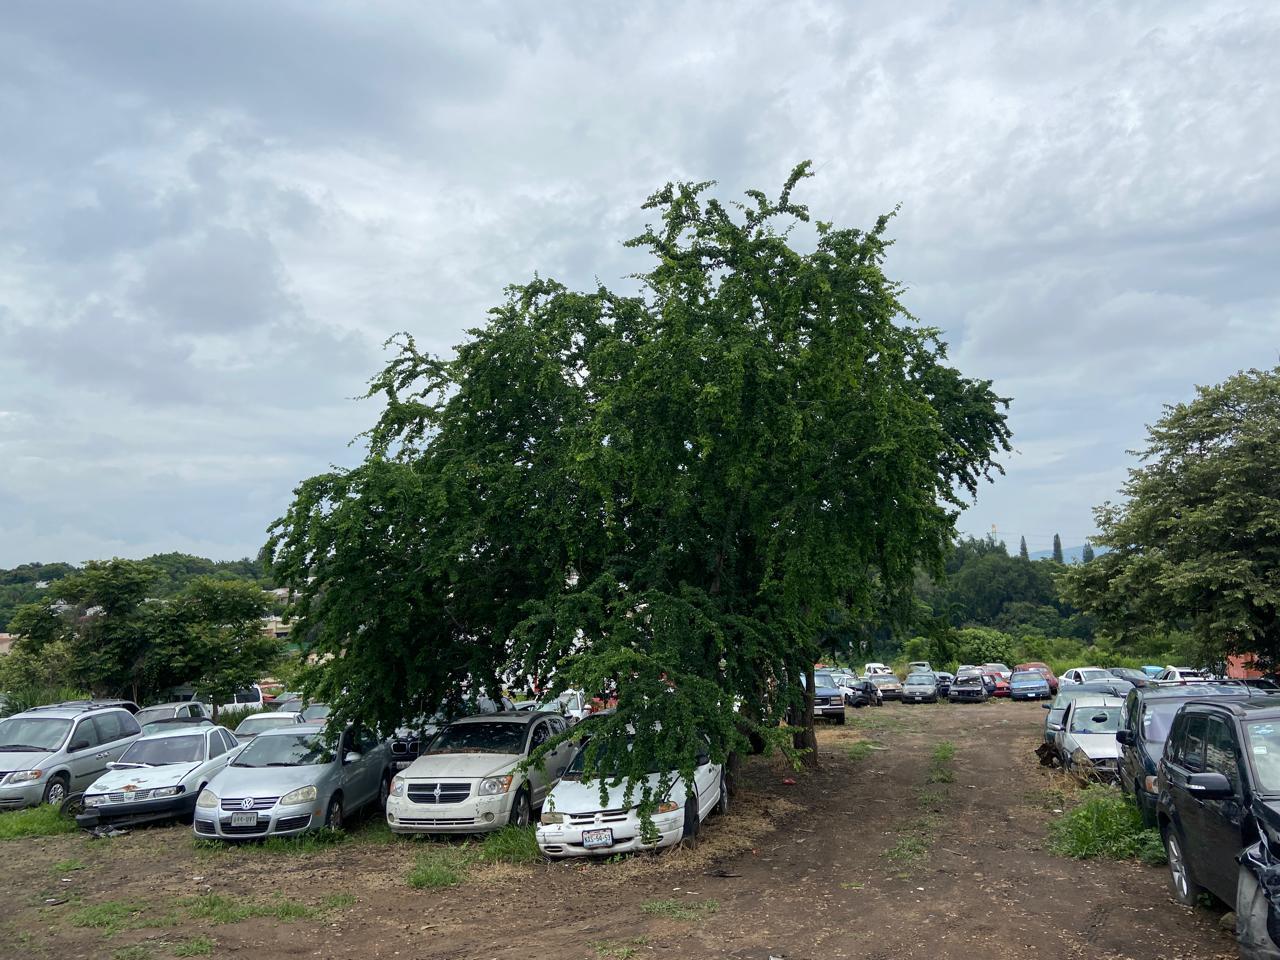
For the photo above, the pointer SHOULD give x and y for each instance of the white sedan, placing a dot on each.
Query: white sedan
(575, 823)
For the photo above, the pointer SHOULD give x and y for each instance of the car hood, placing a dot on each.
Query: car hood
(583, 796)
(1098, 746)
(468, 766)
(826, 691)
(144, 778)
(265, 781)
(29, 760)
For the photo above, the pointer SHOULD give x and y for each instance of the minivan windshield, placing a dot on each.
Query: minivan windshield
(251, 726)
(282, 750)
(163, 750)
(33, 733)
(481, 737)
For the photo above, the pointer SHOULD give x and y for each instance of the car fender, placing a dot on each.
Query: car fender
(1258, 903)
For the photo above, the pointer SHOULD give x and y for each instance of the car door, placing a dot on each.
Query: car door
(706, 778)
(116, 729)
(539, 780)
(83, 761)
(371, 762)
(353, 774)
(1222, 818)
(216, 756)
(1185, 756)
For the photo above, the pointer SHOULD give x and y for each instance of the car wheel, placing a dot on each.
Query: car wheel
(722, 805)
(72, 806)
(333, 815)
(1185, 889)
(840, 720)
(692, 822)
(384, 791)
(520, 813)
(56, 792)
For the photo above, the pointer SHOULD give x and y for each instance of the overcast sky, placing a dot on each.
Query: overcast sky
(214, 214)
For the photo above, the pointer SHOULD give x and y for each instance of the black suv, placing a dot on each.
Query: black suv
(1219, 811)
(1148, 714)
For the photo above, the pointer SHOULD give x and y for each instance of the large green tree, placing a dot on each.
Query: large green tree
(1196, 541)
(675, 495)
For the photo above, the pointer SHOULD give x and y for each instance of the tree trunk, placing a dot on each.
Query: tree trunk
(806, 738)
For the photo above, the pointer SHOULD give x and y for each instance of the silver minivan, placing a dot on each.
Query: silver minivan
(49, 753)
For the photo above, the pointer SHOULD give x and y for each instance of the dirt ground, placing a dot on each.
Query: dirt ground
(874, 856)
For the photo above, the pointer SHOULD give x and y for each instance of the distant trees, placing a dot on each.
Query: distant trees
(1022, 549)
(1086, 554)
(1195, 543)
(101, 629)
(1057, 549)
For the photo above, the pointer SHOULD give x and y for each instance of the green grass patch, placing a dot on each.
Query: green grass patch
(195, 947)
(861, 750)
(931, 799)
(337, 901)
(41, 821)
(139, 951)
(680, 909)
(944, 752)
(112, 916)
(68, 866)
(1103, 823)
(619, 949)
(510, 845)
(852, 886)
(219, 909)
(432, 871)
(910, 849)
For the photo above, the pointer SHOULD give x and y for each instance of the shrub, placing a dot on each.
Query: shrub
(1104, 824)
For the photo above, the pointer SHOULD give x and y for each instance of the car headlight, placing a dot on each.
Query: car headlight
(93, 799)
(167, 791)
(397, 787)
(301, 795)
(551, 816)
(668, 806)
(24, 776)
(494, 786)
(207, 799)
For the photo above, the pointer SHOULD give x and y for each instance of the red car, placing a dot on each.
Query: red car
(1001, 684)
(1044, 671)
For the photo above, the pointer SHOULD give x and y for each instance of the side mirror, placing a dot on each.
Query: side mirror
(1125, 737)
(1209, 785)
(78, 745)
(1046, 706)
(352, 756)
(1055, 727)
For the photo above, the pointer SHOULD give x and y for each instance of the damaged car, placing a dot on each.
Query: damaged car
(1086, 739)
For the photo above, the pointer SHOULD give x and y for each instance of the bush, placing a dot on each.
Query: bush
(980, 645)
(1105, 824)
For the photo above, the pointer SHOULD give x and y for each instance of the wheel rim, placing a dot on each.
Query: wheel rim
(57, 793)
(522, 811)
(1177, 868)
(335, 814)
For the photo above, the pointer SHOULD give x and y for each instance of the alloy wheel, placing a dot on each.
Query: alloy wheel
(1177, 866)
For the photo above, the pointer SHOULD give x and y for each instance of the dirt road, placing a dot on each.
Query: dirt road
(891, 851)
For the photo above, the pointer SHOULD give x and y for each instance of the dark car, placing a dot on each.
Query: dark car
(1135, 677)
(865, 694)
(969, 688)
(944, 682)
(1148, 715)
(1219, 812)
(828, 698)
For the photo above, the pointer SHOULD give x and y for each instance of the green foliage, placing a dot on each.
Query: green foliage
(1086, 553)
(137, 951)
(1193, 544)
(63, 867)
(1022, 549)
(436, 868)
(979, 645)
(224, 644)
(680, 909)
(510, 845)
(1057, 549)
(195, 947)
(41, 821)
(216, 908)
(112, 916)
(26, 584)
(676, 495)
(1104, 823)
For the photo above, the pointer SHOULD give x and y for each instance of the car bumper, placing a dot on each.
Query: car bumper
(565, 840)
(279, 821)
(473, 815)
(165, 808)
(829, 712)
(16, 796)
(966, 698)
(919, 698)
(1038, 694)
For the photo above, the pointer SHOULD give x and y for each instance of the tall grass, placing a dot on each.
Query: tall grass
(41, 821)
(1104, 823)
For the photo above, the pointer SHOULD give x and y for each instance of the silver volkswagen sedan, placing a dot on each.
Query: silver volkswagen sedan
(290, 780)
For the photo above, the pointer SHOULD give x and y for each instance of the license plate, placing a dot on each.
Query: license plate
(594, 839)
(244, 819)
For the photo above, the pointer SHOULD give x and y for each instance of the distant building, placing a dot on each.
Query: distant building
(1242, 667)
(276, 627)
(6, 642)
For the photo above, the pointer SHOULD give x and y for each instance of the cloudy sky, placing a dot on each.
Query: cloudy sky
(215, 213)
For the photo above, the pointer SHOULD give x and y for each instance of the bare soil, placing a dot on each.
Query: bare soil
(877, 857)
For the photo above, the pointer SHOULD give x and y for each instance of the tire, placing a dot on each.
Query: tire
(384, 792)
(1185, 889)
(72, 806)
(521, 814)
(692, 822)
(57, 791)
(333, 814)
(722, 805)
(190, 818)
(840, 720)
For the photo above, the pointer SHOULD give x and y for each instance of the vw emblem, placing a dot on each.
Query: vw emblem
(437, 793)
(246, 803)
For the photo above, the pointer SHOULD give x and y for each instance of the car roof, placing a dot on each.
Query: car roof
(293, 730)
(171, 703)
(505, 716)
(71, 709)
(189, 730)
(1197, 690)
(1098, 700)
(1255, 708)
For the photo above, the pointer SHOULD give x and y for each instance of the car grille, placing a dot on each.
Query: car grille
(293, 823)
(436, 821)
(259, 803)
(603, 816)
(449, 792)
(128, 796)
(401, 748)
(255, 829)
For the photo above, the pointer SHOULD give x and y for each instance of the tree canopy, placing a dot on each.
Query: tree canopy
(667, 494)
(1196, 540)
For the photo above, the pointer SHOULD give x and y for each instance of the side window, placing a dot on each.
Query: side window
(367, 741)
(128, 725)
(1193, 737)
(557, 725)
(1220, 751)
(216, 747)
(108, 727)
(228, 740)
(190, 710)
(541, 732)
(86, 730)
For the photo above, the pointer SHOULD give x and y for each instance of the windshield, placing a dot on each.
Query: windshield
(265, 721)
(1264, 753)
(882, 678)
(482, 737)
(577, 765)
(317, 711)
(300, 750)
(920, 680)
(824, 680)
(33, 733)
(1095, 720)
(1026, 676)
(153, 713)
(156, 753)
(968, 680)
(1087, 675)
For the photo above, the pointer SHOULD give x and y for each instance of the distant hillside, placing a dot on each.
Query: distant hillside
(1069, 554)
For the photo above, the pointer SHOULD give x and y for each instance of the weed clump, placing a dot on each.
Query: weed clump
(1105, 824)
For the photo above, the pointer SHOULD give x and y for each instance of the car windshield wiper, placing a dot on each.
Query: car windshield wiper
(281, 763)
(24, 746)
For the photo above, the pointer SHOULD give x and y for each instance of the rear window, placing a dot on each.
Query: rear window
(1026, 675)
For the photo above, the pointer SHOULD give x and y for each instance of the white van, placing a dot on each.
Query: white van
(872, 669)
(250, 698)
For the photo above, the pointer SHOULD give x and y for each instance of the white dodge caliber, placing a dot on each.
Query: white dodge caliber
(466, 780)
(575, 823)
